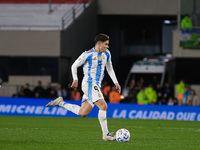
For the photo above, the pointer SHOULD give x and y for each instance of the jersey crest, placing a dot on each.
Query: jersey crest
(99, 57)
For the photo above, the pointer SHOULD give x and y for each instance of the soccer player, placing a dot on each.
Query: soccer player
(94, 62)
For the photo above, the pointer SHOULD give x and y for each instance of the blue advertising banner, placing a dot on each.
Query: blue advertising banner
(158, 112)
(36, 107)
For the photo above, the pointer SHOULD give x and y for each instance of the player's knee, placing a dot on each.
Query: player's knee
(83, 115)
(104, 107)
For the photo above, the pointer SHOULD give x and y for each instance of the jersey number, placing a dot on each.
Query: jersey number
(96, 88)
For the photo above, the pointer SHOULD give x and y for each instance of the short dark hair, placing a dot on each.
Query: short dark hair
(188, 15)
(101, 37)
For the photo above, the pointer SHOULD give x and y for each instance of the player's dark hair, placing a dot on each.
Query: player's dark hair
(188, 15)
(101, 37)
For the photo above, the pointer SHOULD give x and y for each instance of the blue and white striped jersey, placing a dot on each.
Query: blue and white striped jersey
(94, 64)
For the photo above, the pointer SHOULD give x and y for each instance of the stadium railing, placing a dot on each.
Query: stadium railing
(30, 27)
(78, 7)
(73, 13)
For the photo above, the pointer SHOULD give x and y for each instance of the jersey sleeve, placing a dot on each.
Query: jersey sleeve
(110, 70)
(78, 62)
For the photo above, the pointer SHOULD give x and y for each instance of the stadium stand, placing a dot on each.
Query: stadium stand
(39, 14)
(41, 1)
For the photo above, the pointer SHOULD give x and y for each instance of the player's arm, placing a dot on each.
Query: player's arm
(118, 87)
(74, 84)
(78, 62)
(112, 75)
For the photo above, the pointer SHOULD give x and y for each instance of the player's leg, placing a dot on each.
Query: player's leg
(82, 111)
(85, 109)
(102, 116)
(94, 95)
(59, 102)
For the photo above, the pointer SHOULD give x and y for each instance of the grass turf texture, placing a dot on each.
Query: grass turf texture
(48, 133)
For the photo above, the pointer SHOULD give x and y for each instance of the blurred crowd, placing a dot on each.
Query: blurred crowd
(186, 95)
(48, 91)
(153, 94)
(138, 93)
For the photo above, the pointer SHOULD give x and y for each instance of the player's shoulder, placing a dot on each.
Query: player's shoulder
(92, 50)
(88, 52)
(107, 51)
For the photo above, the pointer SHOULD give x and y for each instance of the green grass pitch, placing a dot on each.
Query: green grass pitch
(53, 133)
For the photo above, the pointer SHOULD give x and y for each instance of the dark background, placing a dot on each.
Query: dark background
(131, 38)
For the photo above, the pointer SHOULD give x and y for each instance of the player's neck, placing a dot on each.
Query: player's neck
(97, 49)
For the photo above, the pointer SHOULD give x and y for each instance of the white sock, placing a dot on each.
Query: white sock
(71, 107)
(103, 121)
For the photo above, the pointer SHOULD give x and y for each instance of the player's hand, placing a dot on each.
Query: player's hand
(74, 84)
(118, 87)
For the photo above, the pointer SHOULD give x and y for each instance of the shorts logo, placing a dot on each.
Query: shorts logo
(99, 94)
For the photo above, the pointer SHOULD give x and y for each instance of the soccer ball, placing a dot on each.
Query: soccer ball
(123, 135)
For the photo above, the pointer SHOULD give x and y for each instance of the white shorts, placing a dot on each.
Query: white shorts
(92, 93)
